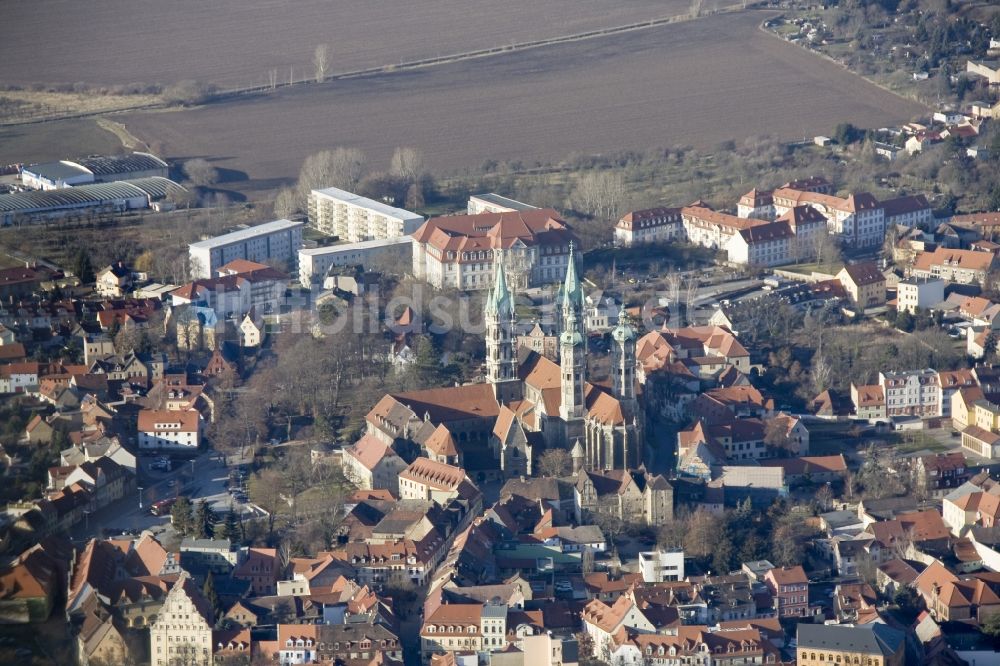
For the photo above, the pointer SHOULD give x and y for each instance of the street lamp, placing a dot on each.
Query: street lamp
(140, 497)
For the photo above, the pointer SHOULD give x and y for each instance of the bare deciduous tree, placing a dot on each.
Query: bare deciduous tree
(407, 164)
(321, 62)
(286, 203)
(200, 172)
(555, 462)
(340, 167)
(821, 373)
(600, 193)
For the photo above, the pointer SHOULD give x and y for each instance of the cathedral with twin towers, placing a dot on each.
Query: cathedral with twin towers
(528, 402)
(602, 422)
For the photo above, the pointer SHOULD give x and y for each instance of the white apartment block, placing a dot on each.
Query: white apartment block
(911, 393)
(353, 218)
(659, 566)
(169, 429)
(652, 225)
(915, 293)
(277, 241)
(392, 253)
(494, 203)
(858, 220)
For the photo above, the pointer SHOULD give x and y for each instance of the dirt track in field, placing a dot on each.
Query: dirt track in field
(695, 83)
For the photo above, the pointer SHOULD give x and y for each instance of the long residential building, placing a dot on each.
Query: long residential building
(315, 263)
(858, 220)
(277, 241)
(652, 225)
(457, 251)
(962, 266)
(354, 218)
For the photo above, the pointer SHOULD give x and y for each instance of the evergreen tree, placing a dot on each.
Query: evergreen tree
(426, 368)
(82, 266)
(208, 590)
(204, 517)
(229, 528)
(180, 515)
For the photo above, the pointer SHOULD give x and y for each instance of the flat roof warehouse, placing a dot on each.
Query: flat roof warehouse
(154, 188)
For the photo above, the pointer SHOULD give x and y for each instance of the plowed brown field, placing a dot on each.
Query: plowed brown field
(693, 83)
(235, 43)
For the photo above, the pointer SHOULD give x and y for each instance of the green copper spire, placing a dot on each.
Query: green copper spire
(500, 300)
(623, 331)
(572, 292)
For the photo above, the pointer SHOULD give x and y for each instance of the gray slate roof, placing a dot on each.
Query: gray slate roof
(874, 639)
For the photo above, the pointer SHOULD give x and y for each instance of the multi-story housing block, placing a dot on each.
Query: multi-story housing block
(790, 588)
(911, 393)
(354, 218)
(393, 253)
(277, 241)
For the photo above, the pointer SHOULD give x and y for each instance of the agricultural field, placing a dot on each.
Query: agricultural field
(695, 83)
(233, 43)
(56, 140)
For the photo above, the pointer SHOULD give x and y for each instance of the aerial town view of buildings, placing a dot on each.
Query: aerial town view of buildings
(518, 373)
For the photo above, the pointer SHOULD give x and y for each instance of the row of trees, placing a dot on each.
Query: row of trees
(200, 521)
(405, 183)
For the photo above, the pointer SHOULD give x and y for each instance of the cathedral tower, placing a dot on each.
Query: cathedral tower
(501, 360)
(623, 361)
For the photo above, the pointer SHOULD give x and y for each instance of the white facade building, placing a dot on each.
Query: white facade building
(182, 632)
(652, 225)
(169, 429)
(314, 263)
(457, 251)
(919, 292)
(494, 203)
(273, 241)
(911, 393)
(658, 566)
(354, 218)
(858, 220)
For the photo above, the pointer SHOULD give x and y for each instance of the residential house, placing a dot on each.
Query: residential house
(261, 569)
(912, 393)
(114, 281)
(918, 293)
(869, 401)
(371, 464)
(789, 587)
(864, 283)
(941, 472)
(169, 429)
(962, 266)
